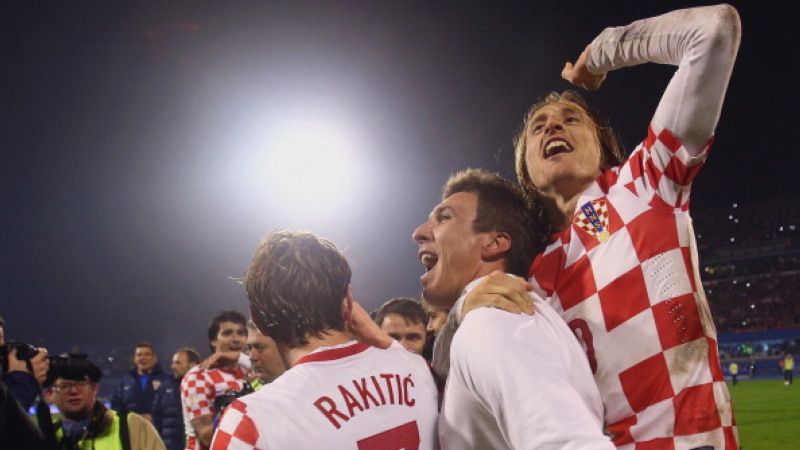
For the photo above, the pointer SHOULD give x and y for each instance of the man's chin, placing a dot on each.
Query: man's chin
(440, 298)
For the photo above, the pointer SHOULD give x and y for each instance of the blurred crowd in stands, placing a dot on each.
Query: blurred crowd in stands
(750, 259)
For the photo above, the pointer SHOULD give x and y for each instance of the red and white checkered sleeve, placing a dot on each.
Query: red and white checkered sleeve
(197, 394)
(663, 167)
(236, 430)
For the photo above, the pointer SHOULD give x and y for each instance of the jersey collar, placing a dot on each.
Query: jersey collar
(333, 353)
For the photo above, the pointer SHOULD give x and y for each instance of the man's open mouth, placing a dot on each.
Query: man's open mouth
(556, 146)
(428, 259)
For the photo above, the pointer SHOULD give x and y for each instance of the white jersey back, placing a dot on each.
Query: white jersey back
(346, 397)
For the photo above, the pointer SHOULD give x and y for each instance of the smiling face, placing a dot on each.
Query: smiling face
(562, 150)
(144, 359)
(450, 249)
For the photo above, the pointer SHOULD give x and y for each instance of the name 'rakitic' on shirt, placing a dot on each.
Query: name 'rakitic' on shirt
(365, 392)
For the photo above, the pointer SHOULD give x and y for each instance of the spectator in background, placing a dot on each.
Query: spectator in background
(733, 369)
(85, 423)
(200, 386)
(138, 387)
(404, 320)
(788, 369)
(167, 408)
(266, 362)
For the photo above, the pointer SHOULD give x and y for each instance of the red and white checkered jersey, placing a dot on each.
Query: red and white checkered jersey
(346, 397)
(624, 277)
(199, 388)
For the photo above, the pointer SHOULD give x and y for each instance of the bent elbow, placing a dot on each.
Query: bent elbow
(726, 28)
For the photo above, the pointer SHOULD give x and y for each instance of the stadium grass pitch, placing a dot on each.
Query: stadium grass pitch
(767, 413)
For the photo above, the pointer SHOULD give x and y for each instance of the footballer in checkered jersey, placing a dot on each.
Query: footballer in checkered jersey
(621, 265)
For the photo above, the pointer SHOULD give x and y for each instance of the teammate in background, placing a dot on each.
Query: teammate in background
(436, 320)
(337, 393)
(404, 320)
(436, 317)
(200, 386)
(621, 267)
(515, 381)
(167, 407)
(266, 362)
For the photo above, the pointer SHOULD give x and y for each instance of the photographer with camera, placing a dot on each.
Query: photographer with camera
(24, 368)
(85, 423)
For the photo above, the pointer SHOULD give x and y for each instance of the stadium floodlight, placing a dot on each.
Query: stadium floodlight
(312, 165)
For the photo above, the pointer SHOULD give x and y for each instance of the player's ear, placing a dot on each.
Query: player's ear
(347, 306)
(496, 245)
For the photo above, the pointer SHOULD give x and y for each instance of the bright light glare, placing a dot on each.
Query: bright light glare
(312, 165)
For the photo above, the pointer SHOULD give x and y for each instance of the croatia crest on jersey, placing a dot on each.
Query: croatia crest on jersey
(593, 219)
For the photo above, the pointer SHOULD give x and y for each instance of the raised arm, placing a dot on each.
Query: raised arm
(702, 42)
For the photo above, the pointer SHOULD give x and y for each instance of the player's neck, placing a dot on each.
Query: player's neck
(559, 203)
(329, 339)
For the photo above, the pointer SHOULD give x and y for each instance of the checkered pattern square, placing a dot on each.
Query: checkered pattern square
(658, 387)
(199, 388)
(655, 347)
(546, 267)
(677, 321)
(665, 276)
(620, 250)
(578, 283)
(236, 430)
(630, 287)
(696, 410)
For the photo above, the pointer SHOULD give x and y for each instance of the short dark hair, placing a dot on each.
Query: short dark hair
(191, 354)
(224, 316)
(406, 307)
(503, 207)
(296, 283)
(611, 150)
(145, 345)
(73, 366)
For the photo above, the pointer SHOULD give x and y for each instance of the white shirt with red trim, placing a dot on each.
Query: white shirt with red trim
(345, 397)
(519, 382)
(199, 388)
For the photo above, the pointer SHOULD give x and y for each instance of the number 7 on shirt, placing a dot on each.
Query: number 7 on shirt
(403, 437)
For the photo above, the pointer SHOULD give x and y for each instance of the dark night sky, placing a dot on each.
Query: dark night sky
(131, 135)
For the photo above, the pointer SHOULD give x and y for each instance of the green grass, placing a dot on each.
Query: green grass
(767, 413)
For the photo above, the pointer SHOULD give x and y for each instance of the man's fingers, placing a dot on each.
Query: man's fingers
(493, 301)
(566, 72)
